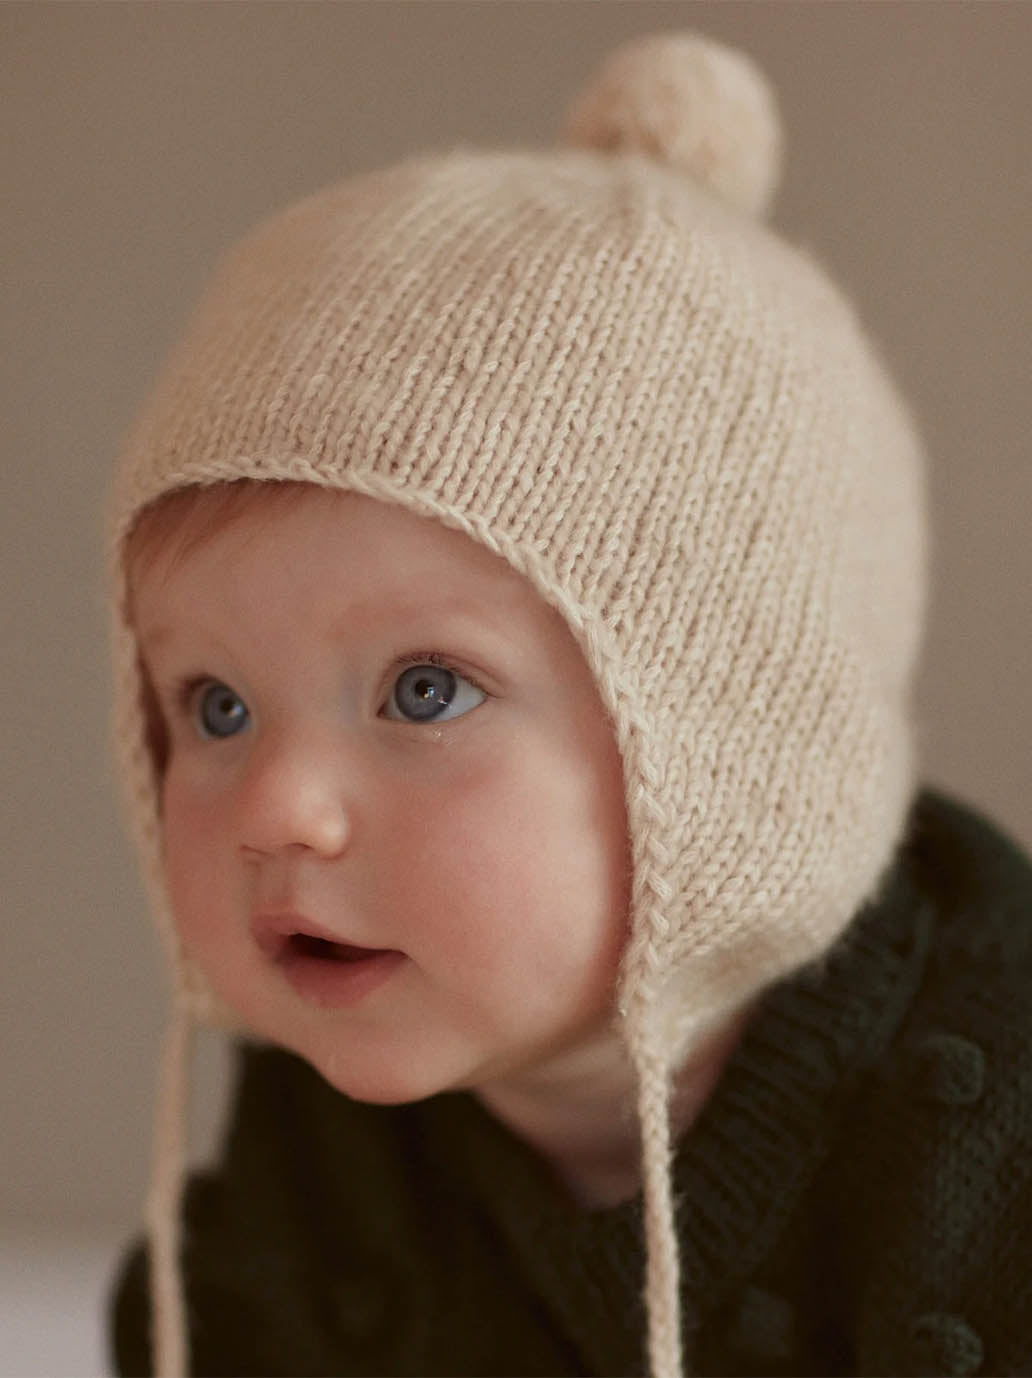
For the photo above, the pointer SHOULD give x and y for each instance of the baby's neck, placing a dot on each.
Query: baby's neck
(580, 1118)
(584, 1120)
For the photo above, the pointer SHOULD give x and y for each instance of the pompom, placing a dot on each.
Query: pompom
(692, 103)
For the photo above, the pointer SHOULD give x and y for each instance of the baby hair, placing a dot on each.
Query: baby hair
(176, 524)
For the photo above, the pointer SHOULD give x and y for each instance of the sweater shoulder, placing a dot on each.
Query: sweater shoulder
(969, 1023)
(934, 1196)
(977, 880)
(976, 875)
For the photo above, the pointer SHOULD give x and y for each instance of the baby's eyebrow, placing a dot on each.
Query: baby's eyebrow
(377, 610)
(421, 618)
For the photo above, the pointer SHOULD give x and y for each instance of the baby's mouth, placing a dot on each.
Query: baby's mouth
(287, 938)
(321, 968)
(308, 945)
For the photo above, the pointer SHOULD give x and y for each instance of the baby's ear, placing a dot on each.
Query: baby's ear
(154, 726)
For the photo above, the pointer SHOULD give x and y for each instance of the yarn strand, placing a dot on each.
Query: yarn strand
(662, 1284)
(169, 1330)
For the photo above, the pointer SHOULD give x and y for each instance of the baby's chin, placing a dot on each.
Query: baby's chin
(382, 1076)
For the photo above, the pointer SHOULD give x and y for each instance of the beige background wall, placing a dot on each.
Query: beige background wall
(140, 138)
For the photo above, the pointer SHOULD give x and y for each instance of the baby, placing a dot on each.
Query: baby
(519, 574)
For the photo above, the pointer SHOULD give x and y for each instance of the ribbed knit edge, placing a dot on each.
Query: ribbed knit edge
(170, 1340)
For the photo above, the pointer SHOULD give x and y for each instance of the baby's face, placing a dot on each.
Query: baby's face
(456, 830)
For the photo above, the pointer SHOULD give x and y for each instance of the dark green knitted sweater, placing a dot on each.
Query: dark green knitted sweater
(856, 1197)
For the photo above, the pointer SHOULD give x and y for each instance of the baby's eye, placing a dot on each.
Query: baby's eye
(432, 692)
(218, 710)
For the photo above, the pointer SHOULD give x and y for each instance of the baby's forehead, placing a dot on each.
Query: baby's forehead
(379, 559)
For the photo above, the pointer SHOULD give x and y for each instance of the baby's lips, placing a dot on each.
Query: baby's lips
(274, 930)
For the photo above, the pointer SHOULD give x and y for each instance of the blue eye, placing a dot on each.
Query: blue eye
(426, 692)
(220, 712)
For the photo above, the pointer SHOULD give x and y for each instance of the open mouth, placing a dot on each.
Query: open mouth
(307, 945)
(321, 969)
(330, 974)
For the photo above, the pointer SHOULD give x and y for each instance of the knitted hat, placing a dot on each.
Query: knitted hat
(599, 363)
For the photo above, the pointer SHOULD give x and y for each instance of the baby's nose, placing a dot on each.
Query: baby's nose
(294, 796)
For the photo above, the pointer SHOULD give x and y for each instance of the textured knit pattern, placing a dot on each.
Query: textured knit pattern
(860, 1185)
(671, 423)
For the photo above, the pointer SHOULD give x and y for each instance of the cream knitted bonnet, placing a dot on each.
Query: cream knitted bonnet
(598, 362)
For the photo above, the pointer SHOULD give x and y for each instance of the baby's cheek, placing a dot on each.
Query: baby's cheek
(196, 880)
(458, 849)
(492, 867)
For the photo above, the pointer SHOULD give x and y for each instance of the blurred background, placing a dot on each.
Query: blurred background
(141, 139)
